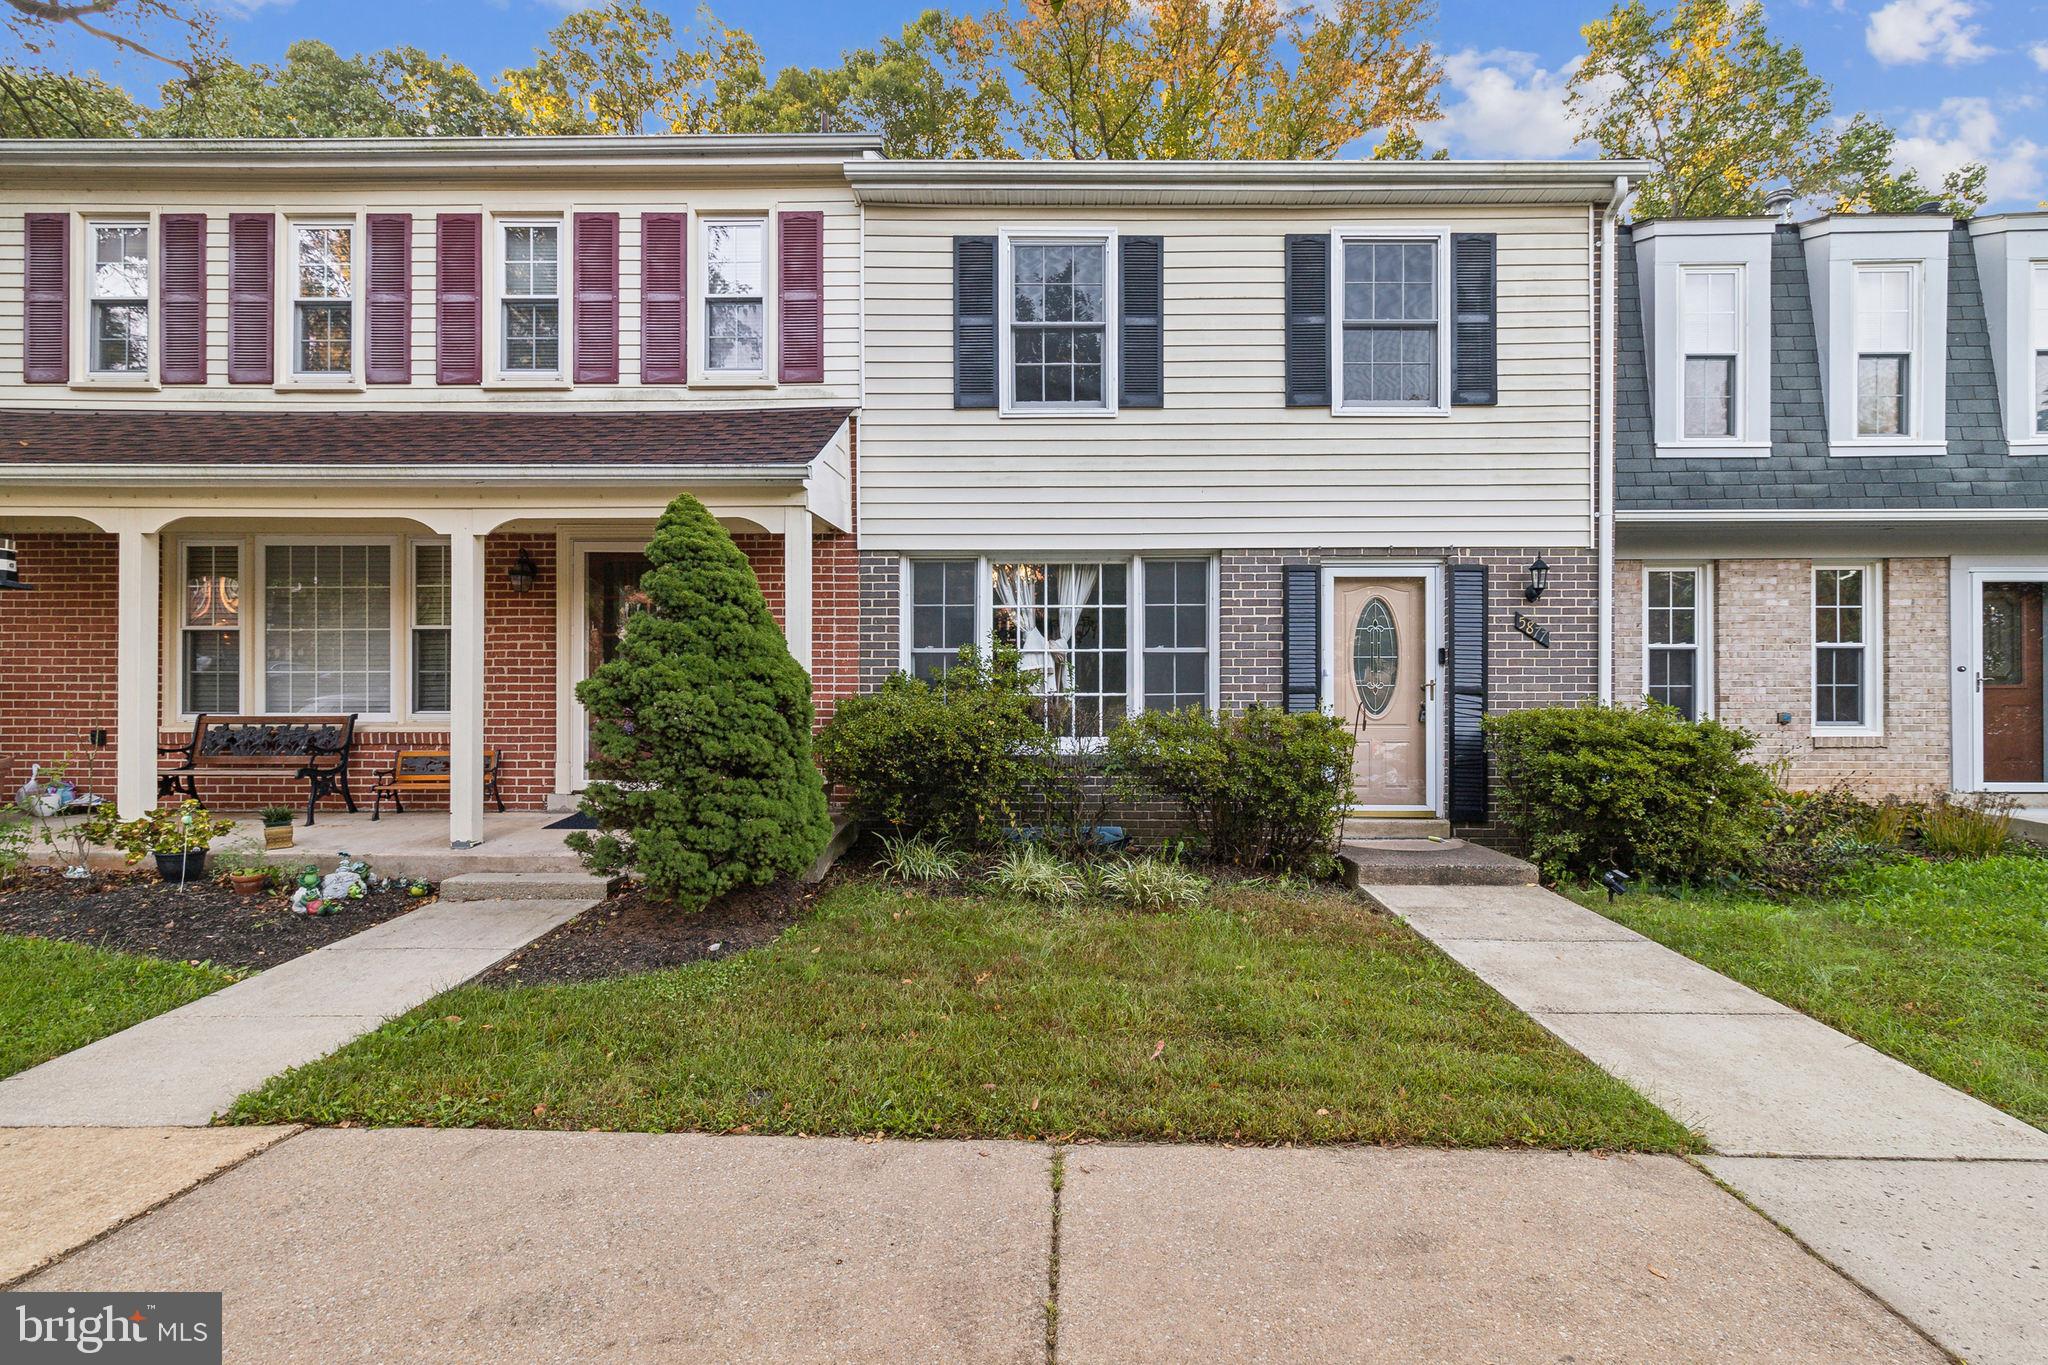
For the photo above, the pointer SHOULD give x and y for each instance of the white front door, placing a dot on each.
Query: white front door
(1382, 629)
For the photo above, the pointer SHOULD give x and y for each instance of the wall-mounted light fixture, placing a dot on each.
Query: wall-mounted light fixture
(1539, 579)
(10, 567)
(523, 574)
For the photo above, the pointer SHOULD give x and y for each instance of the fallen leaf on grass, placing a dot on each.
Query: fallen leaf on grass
(1034, 1106)
(539, 1109)
(1158, 1048)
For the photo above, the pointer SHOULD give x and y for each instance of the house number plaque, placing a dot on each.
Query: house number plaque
(1533, 629)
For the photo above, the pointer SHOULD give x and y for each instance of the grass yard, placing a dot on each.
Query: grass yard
(1273, 1016)
(1942, 965)
(57, 996)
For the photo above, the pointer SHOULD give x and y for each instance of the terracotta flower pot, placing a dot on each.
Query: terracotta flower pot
(250, 883)
(277, 836)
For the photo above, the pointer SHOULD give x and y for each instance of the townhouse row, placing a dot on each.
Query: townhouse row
(379, 428)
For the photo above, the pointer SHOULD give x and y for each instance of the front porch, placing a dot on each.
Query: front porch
(416, 844)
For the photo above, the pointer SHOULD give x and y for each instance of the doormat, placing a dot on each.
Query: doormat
(577, 821)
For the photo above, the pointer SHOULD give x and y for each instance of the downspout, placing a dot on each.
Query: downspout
(1604, 594)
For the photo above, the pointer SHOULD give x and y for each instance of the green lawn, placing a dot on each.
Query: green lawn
(57, 996)
(1273, 1016)
(1942, 965)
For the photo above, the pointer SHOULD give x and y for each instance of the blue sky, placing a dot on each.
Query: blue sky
(1960, 79)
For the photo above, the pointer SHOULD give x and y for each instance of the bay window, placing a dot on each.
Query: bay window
(117, 287)
(1057, 323)
(1390, 300)
(1845, 643)
(323, 299)
(530, 302)
(1675, 624)
(210, 630)
(1711, 333)
(735, 297)
(1885, 332)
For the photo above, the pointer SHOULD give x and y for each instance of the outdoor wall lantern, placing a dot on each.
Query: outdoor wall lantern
(523, 573)
(1539, 579)
(10, 567)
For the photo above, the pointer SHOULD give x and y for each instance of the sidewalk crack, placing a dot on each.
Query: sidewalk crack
(1052, 1275)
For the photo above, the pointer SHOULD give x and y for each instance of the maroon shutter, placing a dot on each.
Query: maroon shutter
(459, 298)
(182, 312)
(664, 298)
(800, 296)
(252, 320)
(46, 349)
(390, 298)
(597, 298)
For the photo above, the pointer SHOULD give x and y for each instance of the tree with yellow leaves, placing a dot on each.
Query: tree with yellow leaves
(1225, 79)
(618, 68)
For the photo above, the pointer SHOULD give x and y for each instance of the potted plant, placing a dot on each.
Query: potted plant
(243, 865)
(277, 826)
(175, 836)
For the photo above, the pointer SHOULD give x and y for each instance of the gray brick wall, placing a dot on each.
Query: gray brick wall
(881, 615)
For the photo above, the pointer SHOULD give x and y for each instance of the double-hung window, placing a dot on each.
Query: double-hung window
(1675, 639)
(1710, 322)
(327, 628)
(1885, 336)
(1845, 642)
(431, 629)
(117, 286)
(944, 606)
(1176, 634)
(2040, 287)
(1058, 325)
(1390, 299)
(210, 631)
(735, 297)
(530, 299)
(323, 299)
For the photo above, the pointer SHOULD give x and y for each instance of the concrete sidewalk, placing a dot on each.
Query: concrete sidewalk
(415, 1245)
(1933, 1199)
(185, 1066)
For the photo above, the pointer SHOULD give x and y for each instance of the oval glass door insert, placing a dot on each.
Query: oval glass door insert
(1375, 656)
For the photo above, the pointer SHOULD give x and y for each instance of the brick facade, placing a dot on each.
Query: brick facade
(1763, 665)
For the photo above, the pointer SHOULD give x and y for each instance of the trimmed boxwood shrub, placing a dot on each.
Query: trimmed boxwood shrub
(1588, 788)
(1264, 788)
(701, 729)
(952, 760)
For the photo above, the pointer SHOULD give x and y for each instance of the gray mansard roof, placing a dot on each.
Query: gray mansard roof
(1978, 473)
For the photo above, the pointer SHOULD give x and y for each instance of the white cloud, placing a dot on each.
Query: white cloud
(1909, 31)
(1507, 104)
(2039, 52)
(1936, 141)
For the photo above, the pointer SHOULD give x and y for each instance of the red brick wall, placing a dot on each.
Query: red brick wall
(57, 658)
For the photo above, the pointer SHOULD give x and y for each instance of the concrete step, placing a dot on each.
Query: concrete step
(525, 886)
(1429, 862)
(1361, 827)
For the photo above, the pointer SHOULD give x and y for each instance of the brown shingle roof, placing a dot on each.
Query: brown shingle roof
(586, 440)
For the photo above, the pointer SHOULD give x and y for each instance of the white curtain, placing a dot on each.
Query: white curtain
(1017, 589)
(1077, 586)
(1073, 588)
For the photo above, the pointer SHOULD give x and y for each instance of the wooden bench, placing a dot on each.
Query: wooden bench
(315, 748)
(426, 770)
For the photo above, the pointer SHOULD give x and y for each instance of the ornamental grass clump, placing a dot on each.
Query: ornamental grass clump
(1153, 884)
(702, 775)
(1033, 873)
(916, 859)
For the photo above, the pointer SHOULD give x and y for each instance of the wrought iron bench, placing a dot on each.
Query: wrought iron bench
(426, 770)
(316, 748)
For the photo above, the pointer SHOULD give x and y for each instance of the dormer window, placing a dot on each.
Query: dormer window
(1706, 296)
(2041, 347)
(1885, 333)
(1712, 330)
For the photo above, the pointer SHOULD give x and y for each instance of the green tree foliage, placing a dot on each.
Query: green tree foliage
(316, 92)
(1728, 113)
(47, 104)
(620, 68)
(39, 99)
(701, 729)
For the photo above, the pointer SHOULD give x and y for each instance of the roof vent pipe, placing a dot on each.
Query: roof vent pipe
(1778, 203)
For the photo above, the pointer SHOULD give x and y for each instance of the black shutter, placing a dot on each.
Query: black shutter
(1468, 692)
(974, 322)
(1308, 320)
(1475, 319)
(1301, 629)
(1141, 381)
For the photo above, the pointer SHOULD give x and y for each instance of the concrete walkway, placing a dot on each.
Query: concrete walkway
(1934, 1200)
(183, 1067)
(415, 1245)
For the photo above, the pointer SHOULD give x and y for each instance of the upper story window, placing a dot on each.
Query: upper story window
(1390, 299)
(117, 287)
(323, 299)
(735, 297)
(1886, 332)
(1058, 325)
(530, 299)
(2041, 347)
(1710, 327)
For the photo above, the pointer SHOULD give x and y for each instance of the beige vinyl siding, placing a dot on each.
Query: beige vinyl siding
(842, 292)
(1224, 463)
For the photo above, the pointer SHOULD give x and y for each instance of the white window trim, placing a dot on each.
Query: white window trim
(984, 610)
(2035, 293)
(497, 376)
(697, 313)
(285, 282)
(174, 660)
(251, 549)
(1007, 239)
(1389, 232)
(1665, 249)
(1739, 406)
(412, 627)
(1703, 628)
(1916, 416)
(1836, 248)
(83, 375)
(1873, 647)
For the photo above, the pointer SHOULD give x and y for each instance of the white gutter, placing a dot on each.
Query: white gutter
(158, 475)
(1604, 594)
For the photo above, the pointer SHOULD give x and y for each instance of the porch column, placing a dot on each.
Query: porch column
(466, 686)
(796, 583)
(139, 608)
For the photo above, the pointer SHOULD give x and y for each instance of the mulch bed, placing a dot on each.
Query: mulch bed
(633, 933)
(204, 922)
